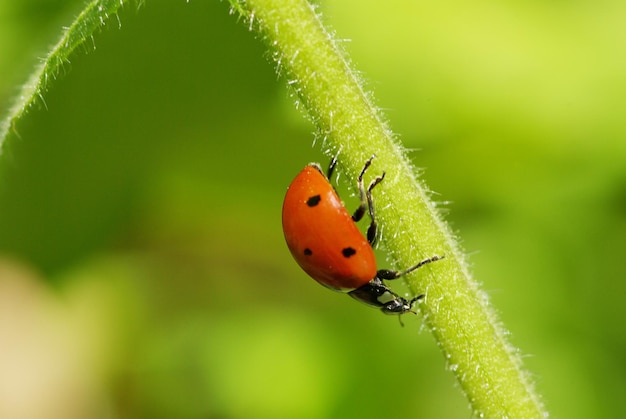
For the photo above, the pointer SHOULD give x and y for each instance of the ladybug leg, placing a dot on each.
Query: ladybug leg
(367, 203)
(331, 168)
(373, 228)
(389, 274)
(360, 211)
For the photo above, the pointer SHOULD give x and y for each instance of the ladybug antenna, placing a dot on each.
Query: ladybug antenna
(410, 310)
(400, 316)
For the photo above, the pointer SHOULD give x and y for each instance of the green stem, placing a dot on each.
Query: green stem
(94, 16)
(456, 311)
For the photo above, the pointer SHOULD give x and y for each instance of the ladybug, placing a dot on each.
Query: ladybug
(325, 241)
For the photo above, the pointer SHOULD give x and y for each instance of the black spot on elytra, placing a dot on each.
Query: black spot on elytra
(308, 252)
(348, 251)
(313, 200)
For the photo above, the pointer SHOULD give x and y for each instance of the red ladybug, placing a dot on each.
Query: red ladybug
(327, 244)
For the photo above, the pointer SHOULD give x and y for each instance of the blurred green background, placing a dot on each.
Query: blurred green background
(143, 272)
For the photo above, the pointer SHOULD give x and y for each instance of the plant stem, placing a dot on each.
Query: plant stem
(92, 18)
(455, 310)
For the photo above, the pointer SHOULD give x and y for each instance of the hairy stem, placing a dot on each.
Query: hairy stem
(456, 311)
(92, 18)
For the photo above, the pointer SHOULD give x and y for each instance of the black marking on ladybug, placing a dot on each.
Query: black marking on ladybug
(308, 252)
(348, 251)
(313, 200)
